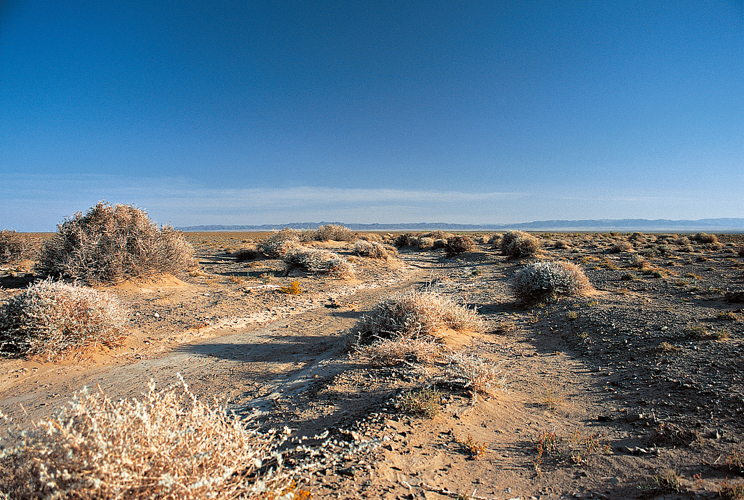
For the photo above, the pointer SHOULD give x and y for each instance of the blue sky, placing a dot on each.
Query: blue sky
(247, 112)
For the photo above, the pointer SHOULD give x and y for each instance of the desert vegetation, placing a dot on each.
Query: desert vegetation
(113, 243)
(13, 246)
(548, 280)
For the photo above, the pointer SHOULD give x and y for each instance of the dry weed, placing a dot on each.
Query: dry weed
(13, 246)
(518, 244)
(395, 351)
(277, 245)
(477, 374)
(548, 280)
(320, 261)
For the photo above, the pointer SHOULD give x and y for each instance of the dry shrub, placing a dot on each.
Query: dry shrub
(425, 243)
(112, 243)
(495, 240)
(518, 244)
(54, 319)
(246, 254)
(414, 314)
(406, 240)
(13, 246)
(391, 352)
(277, 245)
(372, 250)
(335, 232)
(319, 261)
(437, 244)
(437, 235)
(548, 280)
(168, 446)
(621, 246)
(457, 245)
(475, 373)
(705, 238)
(561, 244)
(740, 251)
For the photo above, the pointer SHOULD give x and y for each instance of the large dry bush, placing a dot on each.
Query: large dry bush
(54, 319)
(335, 232)
(277, 245)
(548, 280)
(318, 260)
(518, 244)
(112, 243)
(13, 246)
(705, 238)
(414, 314)
(167, 446)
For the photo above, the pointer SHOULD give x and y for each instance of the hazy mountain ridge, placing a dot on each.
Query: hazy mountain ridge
(721, 224)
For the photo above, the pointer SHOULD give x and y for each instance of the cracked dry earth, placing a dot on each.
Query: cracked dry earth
(635, 391)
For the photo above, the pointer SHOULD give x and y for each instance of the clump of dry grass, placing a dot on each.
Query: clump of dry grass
(457, 245)
(425, 401)
(168, 445)
(13, 246)
(399, 350)
(112, 243)
(277, 245)
(477, 374)
(547, 280)
(372, 249)
(414, 314)
(54, 319)
(320, 261)
(335, 232)
(518, 244)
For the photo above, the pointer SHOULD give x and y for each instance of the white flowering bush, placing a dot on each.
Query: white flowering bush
(167, 446)
(319, 261)
(112, 243)
(414, 314)
(54, 319)
(548, 280)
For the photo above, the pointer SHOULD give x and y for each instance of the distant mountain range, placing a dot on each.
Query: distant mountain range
(656, 225)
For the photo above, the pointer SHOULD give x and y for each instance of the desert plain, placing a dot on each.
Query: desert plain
(632, 390)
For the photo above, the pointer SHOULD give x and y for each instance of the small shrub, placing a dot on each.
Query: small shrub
(395, 351)
(459, 244)
(335, 232)
(406, 240)
(622, 246)
(54, 319)
(291, 289)
(277, 245)
(373, 250)
(478, 374)
(246, 254)
(740, 251)
(414, 314)
(425, 243)
(112, 243)
(319, 261)
(437, 244)
(166, 446)
(705, 238)
(13, 246)
(561, 244)
(548, 280)
(426, 402)
(518, 244)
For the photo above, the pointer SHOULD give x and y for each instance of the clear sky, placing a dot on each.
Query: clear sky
(252, 112)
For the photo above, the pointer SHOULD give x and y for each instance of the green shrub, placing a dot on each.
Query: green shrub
(54, 319)
(113, 243)
(548, 280)
(13, 246)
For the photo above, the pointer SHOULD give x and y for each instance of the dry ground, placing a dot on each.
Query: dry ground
(636, 391)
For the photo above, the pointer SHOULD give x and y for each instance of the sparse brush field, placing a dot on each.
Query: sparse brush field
(334, 364)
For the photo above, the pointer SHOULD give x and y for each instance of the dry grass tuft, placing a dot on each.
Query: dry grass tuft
(395, 351)
(54, 319)
(13, 246)
(479, 375)
(112, 243)
(414, 314)
(319, 261)
(169, 445)
(548, 280)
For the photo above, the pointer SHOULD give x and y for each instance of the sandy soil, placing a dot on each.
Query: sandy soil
(602, 397)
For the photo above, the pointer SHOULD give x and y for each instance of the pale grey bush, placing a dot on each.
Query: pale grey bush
(277, 245)
(414, 314)
(54, 319)
(335, 232)
(113, 243)
(320, 261)
(518, 244)
(371, 249)
(547, 280)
